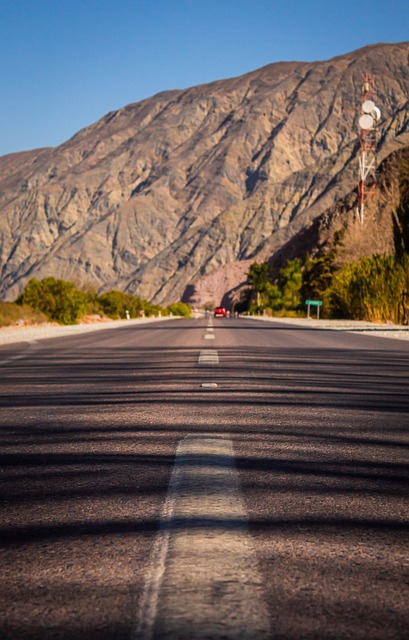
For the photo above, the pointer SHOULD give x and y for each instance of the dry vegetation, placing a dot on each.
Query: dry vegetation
(16, 314)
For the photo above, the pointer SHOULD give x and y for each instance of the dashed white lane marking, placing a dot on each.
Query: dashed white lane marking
(208, 356)
(209, 385)
(203, 580)
(210, 329)
(209, 336)
(33, 346)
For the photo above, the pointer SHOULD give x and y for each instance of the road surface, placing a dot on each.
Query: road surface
(205, 479)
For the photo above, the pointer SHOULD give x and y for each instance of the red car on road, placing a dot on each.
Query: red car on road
(219, 312)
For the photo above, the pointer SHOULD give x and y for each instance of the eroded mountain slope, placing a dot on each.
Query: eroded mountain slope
(160, 193)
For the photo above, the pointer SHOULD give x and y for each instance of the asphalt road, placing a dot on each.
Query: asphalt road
(137, 503)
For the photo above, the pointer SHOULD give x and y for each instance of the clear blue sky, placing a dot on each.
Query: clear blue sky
(65, 63)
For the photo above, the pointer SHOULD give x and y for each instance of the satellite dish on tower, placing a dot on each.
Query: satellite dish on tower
(368, 138)
(368, 106)
(366, 122)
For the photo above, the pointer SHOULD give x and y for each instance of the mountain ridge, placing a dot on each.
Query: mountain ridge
(157, 194)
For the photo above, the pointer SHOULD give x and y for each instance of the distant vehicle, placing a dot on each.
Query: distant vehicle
(219, 312)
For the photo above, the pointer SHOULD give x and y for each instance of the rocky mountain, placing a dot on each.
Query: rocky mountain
(158, 195)
(376, 235)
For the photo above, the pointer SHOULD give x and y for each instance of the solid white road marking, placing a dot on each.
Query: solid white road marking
(209, 385)
(203, 580)
(208, 356)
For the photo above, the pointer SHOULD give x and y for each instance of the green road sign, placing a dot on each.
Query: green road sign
(314, 303)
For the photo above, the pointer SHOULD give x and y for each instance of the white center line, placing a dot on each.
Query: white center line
(208, 356)
(203, 579)
(209, 336)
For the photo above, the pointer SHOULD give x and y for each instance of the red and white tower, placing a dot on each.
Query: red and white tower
(368, 137)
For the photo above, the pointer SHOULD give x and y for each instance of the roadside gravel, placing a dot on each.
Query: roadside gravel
(9, 335)
(400, 332)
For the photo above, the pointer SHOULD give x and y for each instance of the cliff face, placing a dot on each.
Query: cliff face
(160, 193)
(374, 236)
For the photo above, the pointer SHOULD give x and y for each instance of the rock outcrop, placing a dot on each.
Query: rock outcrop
(163, 192)
(374, 236)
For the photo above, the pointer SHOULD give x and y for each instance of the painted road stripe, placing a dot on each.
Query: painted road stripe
(203, 579)
(208, 356)
(209, 329)
(209, 336)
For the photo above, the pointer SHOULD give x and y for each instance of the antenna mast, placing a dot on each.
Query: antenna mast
(368, 122)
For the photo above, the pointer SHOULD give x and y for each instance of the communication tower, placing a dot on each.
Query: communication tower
(368, 137)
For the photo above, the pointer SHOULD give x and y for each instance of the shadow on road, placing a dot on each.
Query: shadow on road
(87, 450)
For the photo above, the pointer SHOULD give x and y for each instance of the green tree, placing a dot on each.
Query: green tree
(290, 282)
(318, 272)
(317, 276)
(259, 276)
(273, 296)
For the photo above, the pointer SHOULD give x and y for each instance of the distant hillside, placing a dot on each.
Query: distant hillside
(159, 194)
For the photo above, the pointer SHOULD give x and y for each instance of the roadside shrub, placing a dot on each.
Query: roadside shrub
(115, 304)
(13, 313)
(59, 300)
(373, 289)
(180, 309)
